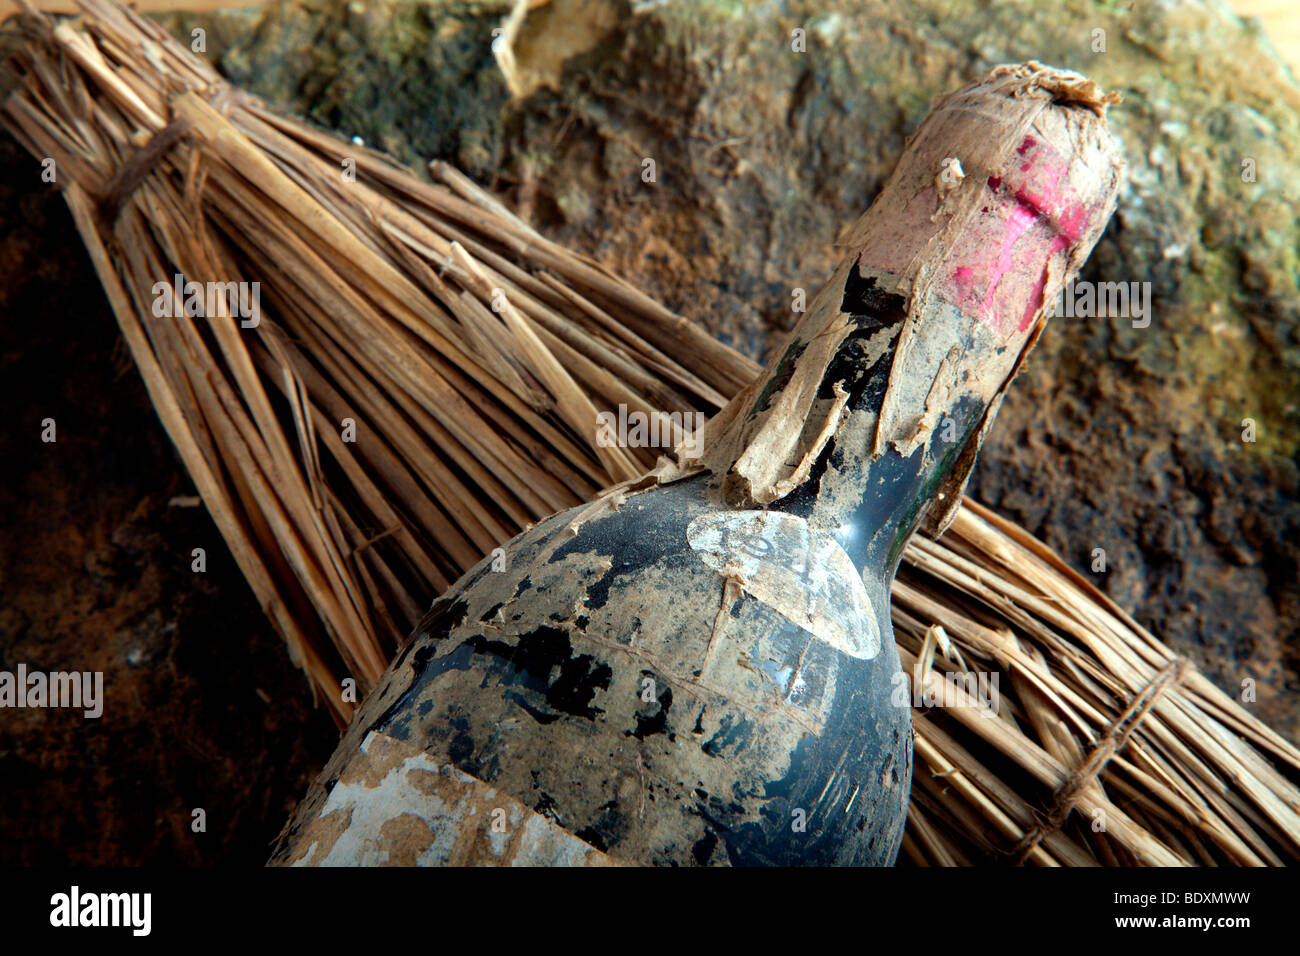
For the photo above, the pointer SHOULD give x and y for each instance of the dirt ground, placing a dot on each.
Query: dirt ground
(202, 708)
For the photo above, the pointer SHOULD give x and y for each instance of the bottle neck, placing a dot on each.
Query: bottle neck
(870, 419)
(867, 491)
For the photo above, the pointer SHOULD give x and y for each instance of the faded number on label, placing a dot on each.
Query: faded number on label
(802, 574)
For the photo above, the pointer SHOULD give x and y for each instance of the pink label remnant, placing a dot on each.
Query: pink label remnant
(997, 269)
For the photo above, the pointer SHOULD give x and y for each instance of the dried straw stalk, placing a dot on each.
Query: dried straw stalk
(472, 355)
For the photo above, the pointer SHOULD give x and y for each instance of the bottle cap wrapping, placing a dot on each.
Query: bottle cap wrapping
(1035, 179)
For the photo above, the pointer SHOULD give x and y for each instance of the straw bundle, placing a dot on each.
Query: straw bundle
(396, 305)
(423, 384)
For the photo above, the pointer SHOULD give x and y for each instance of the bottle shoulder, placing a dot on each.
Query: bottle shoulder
(670, 636)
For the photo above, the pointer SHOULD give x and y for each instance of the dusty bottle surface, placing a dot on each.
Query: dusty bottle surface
(699, 668)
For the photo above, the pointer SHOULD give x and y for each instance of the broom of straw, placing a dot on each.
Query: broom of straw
(424, 384)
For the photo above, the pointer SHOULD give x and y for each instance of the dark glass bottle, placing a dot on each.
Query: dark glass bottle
(699, 667)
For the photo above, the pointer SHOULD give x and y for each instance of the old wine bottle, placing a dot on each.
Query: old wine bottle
(698, 667)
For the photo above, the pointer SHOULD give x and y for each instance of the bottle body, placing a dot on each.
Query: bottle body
(616, 678)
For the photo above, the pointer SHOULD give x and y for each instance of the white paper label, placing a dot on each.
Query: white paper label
(802, 574)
